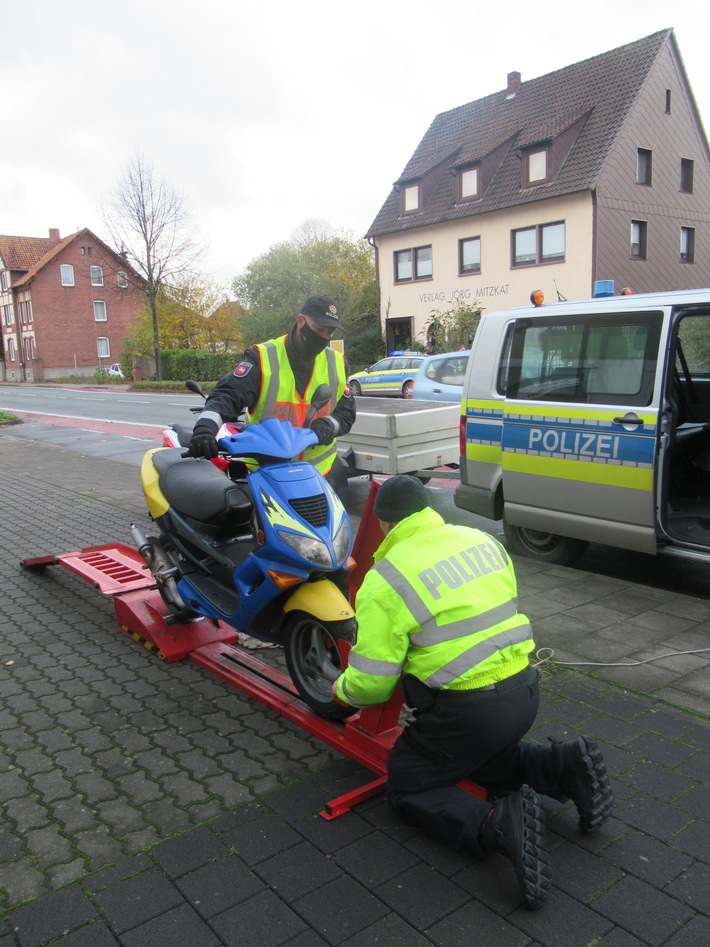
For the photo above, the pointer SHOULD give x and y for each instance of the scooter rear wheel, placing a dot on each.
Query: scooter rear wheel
(313, 660)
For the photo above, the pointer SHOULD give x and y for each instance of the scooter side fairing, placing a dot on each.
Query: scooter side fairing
(273, 489)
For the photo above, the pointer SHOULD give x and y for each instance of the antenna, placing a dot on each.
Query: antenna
(560, 297)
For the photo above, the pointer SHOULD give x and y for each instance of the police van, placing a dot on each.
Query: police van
(590, 422)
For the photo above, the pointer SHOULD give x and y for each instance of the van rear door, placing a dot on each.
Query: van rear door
(581, 426)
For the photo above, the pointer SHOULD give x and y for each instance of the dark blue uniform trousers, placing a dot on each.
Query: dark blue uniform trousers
(474, 735)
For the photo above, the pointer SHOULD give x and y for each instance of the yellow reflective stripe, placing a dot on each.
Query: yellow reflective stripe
(587, 471)
(518, 412)
(487, 405)
(484, 454)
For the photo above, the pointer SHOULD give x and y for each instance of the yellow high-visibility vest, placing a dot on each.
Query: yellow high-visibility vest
(440, 604)
(278, 397)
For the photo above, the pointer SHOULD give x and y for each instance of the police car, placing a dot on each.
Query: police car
(391, 377)
(590, 422)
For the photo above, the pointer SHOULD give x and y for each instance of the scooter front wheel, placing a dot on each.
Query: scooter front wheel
(313, 660)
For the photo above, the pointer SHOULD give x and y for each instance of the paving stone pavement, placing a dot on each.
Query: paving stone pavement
(150, 804)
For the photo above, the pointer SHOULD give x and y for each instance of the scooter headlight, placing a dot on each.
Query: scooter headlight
(341, 543)
(312, 550)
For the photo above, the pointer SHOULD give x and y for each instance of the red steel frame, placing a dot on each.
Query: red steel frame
(119, 571)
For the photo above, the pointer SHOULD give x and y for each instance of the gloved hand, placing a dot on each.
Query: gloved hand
(324, 429)
(203, 443)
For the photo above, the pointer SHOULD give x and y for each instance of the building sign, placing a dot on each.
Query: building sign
(464, 295)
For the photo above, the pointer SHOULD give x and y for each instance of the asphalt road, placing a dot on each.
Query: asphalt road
(106, 421)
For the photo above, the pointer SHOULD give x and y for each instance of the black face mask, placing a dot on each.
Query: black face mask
(313, 344)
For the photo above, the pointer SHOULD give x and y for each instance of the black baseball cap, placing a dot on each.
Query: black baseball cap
(323, 311)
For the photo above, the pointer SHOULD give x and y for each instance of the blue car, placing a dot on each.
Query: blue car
(440, 377)
(391, 377)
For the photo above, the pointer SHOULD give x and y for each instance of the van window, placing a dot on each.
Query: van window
(602, 359)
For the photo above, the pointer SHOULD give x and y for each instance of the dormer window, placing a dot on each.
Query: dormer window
(469, 188)
(410, 199)
(536, 167)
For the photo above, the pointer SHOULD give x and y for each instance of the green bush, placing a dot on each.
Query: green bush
(206, 386)
(180, 364)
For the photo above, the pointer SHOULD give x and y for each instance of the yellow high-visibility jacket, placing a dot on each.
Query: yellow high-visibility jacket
(440, 604)
(279, 399)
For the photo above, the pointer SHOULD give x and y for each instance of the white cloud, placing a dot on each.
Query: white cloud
(266, 115)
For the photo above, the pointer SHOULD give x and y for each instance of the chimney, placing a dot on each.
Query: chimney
(513, 84)
(54, 237)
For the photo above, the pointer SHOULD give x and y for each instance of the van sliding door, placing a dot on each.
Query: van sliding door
(581, 423)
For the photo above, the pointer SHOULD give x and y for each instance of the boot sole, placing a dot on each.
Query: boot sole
(533, 869)
(602, 801)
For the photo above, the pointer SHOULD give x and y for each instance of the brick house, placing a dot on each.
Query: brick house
(65, 305)
(600, 170)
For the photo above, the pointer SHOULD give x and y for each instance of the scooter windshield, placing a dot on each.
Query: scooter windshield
(268, 440)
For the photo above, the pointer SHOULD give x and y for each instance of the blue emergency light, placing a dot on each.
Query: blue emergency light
(603, 287)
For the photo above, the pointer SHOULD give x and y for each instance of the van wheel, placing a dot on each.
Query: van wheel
(545, 547)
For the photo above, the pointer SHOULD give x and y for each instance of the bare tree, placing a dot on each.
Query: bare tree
(150, 226)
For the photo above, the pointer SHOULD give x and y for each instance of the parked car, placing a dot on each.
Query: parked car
(115, 371)
(390, 376)
(440, 377)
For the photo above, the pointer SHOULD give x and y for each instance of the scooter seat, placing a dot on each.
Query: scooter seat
(198, 489)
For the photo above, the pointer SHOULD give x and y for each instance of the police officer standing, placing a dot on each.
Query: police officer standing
(438, 612)
(277, 379)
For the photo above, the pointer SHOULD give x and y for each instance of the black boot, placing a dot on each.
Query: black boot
(582, 777)
(516, 829)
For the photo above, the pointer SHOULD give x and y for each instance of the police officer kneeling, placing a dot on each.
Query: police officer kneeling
(438, 611)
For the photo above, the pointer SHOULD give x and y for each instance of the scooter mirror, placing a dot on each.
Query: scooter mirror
(195, 387)
(321, 396)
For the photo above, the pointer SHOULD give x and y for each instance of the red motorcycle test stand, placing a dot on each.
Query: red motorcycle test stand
(367, 737)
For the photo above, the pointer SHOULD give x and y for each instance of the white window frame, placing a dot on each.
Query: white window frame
(4, 281)
(687, 244)
(411, 199)
(464, 268)
(537, 162)
(103, 342)
(11, 349)
(97, 275)
(469, 185)
(67, 274)
(100, 307)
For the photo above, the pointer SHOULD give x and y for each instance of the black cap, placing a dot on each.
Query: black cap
(399, 497)
(323, 311)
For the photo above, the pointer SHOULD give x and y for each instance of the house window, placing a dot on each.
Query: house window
(122, 278)
(644, 166)
(468, 185)
(469, 255)
(4, 283)
(542, 244)
(639, 237)
(668, 101)
(29, 348)
(97, 276)
(687, 167)
(410, 199)
(7, 315)
(536, 167)
(103, 348)
(67, 271)
(11, 349)
(25, 312)
(99, 311)
(413, 264)
(687, 244)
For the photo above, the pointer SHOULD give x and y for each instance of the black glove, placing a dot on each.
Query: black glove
(203, 442)
(324, 429)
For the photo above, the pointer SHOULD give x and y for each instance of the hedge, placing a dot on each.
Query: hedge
(180, 364)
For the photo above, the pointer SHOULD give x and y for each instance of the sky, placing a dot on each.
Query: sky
(263, 115)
